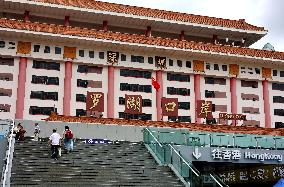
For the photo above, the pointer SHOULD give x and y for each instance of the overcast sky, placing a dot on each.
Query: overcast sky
(265, 13)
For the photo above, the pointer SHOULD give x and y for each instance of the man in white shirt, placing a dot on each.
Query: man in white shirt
(54, 140)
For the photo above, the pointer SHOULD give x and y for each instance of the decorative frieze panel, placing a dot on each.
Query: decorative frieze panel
(198, 66)
(24, 47)
(266, 73)
(69, 52)
(234, 69)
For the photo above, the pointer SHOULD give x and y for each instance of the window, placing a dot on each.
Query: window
(121, 101)
(36, 48)
(81, 98)
(277, 86)
(171, 62)
(89, 69)
(46, 65)
(144, 117)
(184, 105)
(281, 73)
(135, 87)
(252, 84)
(7, 61)
(150, 60)
(243, 67)
(145, 102)
(44, 95)
(91, 54)
(278, 99)
(188, 64)
(278, 112)
(179, 118)
(135, 73)
(57, 50)
(209, 94)
(101, 55)
(12, 45)
(46, 49)
(216, 67)
(45, 80)
(224, 67)
(35, 110)
(208, 66)
(81, 53)
(178, 91)
(2, 44)
(279, 125)
(211, 80)
(82, 83)
(80, 112)
(179, 63)
(275, 73)
(123, 57)
(139, 59)
(257, 70)
(178, 77)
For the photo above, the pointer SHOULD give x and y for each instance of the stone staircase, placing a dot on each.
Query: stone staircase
(118, 164)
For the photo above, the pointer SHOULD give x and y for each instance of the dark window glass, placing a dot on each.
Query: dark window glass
(80, 98)
(179, 118)
(82, 69)
(178, 91)
(252, 84)
(36, 48)
(46, 65)
(123, 57)
(2, 44)
(139, 59)
(44, 95)
(150, 60)
(52, 81)
(82, 83)
(279, 125)
(209, 94)
(45, 80)
(208, 66)
(144, 117)
(7, 61)
(277, 86)
(178, 77)
(275, 73)
(179, 63)
(101, 55)
(35, 110)
(91, 54)
(281, 73)
(46, 49)
(135, 73)
(278, 99)
(224, 67)
(216, 67)
(80, 112)
(57, 50)
(188, 64)
(135, 87)
(184, 105)
(12, 45)
(257, 70)
(171, 62)
(81, 53)
(278, 112)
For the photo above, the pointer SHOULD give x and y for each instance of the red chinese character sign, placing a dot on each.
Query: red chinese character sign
(95, 101)
(169, 106)
(161, 62)
(112, 57)
(204, 109)
(133, 104)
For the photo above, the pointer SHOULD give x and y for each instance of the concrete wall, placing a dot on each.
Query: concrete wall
(83, 131)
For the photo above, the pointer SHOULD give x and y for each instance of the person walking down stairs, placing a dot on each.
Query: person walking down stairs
(36, 132)
(54, 141)
(68, 139)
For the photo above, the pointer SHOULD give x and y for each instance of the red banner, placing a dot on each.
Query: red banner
(204, 109)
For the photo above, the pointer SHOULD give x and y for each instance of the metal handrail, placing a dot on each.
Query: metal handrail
(154, 137)
(6, 172)
(195, 171)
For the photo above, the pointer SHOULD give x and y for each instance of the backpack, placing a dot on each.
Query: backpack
(68, 134)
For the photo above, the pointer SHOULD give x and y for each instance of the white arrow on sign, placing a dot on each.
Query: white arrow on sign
(196, 153)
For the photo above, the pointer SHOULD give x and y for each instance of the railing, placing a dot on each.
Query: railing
(186, 169)
(9, 157)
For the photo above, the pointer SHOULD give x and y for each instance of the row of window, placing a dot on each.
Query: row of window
(45, 80)
(89, 83)
(135, 73)
(144, 117)
(252, 84)
(145, 102)
(178, 77)
(135, 88)
(275, 73)
(279, 112)
(211, 80)
(44, 95)
(6, 61)
(91, 54)
(277, 86)
(216, 67)
(250, 70)
(35, 110)
(46, 65)
(89, 69)
(11, 45)
(215, 94)
(178, 91)
(179, 118)
(47, 49)
(278, 99)
(80, 112)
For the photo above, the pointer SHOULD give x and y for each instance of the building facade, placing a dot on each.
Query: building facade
(53, 52)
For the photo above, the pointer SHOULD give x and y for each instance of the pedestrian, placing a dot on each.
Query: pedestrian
(20, 133)
(68, 139)
(54, 141)
(36, 132)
